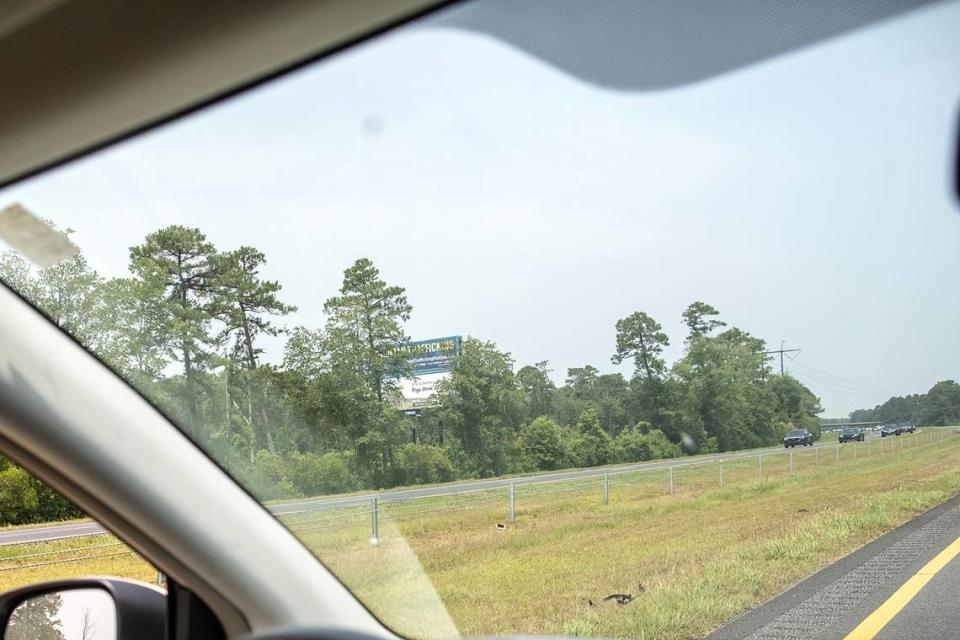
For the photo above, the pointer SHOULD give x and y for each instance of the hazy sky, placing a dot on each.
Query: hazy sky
(805, 197)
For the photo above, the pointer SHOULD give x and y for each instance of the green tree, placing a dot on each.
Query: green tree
(537, 388)
(69, 292)
(482, 406)
(180, 260)
(583, 381)
(699, 319)
(314, 474)
(365, 323)
(612, 400)
(723, 397)
(541, 445)
(941, 407)
(15, 273)
(641, 338)
(423, 464)
(591, 445)
(18, 496)
(796, 406)
(137, 333)
(244, 302)
(638, 443)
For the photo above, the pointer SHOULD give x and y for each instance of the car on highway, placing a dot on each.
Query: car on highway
(890, 430)
(851, 435)
(908, 427)
(798, 438)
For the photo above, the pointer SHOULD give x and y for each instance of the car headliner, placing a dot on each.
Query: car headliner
(81, 74)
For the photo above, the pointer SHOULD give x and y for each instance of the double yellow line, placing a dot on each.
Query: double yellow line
(877, 620)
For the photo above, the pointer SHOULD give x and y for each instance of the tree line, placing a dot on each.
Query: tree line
(186, 325)
(940, 406)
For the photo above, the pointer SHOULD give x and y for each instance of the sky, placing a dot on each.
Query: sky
(806, 197)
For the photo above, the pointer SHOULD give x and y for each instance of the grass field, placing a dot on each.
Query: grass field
(702, 554)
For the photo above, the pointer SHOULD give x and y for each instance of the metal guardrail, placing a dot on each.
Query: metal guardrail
(670, 481)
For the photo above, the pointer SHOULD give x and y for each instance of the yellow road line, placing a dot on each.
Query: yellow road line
(877, 620)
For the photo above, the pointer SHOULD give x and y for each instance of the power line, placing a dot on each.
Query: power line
(846, 381)
(829, 385)
(781, 351)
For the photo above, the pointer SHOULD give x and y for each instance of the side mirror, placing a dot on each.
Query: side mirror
(84, 609)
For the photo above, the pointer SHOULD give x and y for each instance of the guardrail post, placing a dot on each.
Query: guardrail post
(838, 451)
(159, 577)
(760, 468)
(881, 443)
(816, 455)
(791, 461)
(374, 521)
(513, 503)
(721, 473)
(671, 480)
(606, 488)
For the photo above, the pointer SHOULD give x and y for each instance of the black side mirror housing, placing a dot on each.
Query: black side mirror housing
(139, 610)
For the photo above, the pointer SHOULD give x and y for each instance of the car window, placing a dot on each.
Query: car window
(68, 544)
(512, 351)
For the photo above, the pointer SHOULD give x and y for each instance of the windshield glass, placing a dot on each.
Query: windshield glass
(514, 350)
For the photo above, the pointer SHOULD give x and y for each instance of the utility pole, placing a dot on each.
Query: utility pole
(781, 351)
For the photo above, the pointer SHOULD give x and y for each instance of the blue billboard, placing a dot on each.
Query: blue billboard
(436, 355)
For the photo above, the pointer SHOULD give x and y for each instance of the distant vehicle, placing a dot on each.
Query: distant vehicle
(849, 435)
(890, 430)
(908, 427)
(798, 437)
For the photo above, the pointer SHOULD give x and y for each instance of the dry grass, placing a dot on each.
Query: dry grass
(702, 555)
(72, 557)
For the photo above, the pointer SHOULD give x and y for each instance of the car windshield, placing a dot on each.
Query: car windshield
(509, 338)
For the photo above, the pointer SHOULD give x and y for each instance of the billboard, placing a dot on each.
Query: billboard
(430, 362)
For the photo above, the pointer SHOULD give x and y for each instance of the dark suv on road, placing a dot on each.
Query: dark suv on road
(798, 437)
(890, 430)
(849, 435)
(908, 427)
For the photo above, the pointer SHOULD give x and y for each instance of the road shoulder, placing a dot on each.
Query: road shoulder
(832, 601)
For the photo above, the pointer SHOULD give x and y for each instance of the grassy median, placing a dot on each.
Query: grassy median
(692, 559)
(701, 555)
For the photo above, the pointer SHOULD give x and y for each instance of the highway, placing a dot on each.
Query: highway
(902, 586)
(55, 532)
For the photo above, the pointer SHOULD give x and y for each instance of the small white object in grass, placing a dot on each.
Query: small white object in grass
(35, 239)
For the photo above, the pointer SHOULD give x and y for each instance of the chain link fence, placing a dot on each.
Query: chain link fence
(505, 503)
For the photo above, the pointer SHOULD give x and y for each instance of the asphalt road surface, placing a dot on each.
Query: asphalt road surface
(902, 586)
(19, 536)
